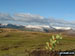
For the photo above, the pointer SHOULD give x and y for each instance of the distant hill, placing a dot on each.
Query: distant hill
(14, 26)
(36, 28)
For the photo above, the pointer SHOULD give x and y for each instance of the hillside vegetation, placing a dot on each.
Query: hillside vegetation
(20, 43)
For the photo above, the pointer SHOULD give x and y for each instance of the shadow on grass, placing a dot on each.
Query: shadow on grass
(47, 53)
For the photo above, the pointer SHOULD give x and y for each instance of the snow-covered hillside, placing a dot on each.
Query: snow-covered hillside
(48, 27)
(42, 28)
(62, 28)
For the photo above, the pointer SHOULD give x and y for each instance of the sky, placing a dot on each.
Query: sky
(20, 11)
(63, 9)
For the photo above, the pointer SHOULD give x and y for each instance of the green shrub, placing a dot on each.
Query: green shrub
(53, 41)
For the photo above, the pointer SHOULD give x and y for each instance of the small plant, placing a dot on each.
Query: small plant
(53, 41)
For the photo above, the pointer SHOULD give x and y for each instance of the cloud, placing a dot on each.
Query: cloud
(22, 18)
(5, 17)
(29, 18)
(37, 19)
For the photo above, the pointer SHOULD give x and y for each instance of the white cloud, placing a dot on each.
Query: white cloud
(22, 16)
(33, 19)
(5, 17)
(29, 18)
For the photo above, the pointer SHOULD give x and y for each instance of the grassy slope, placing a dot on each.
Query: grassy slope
(15, 42)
